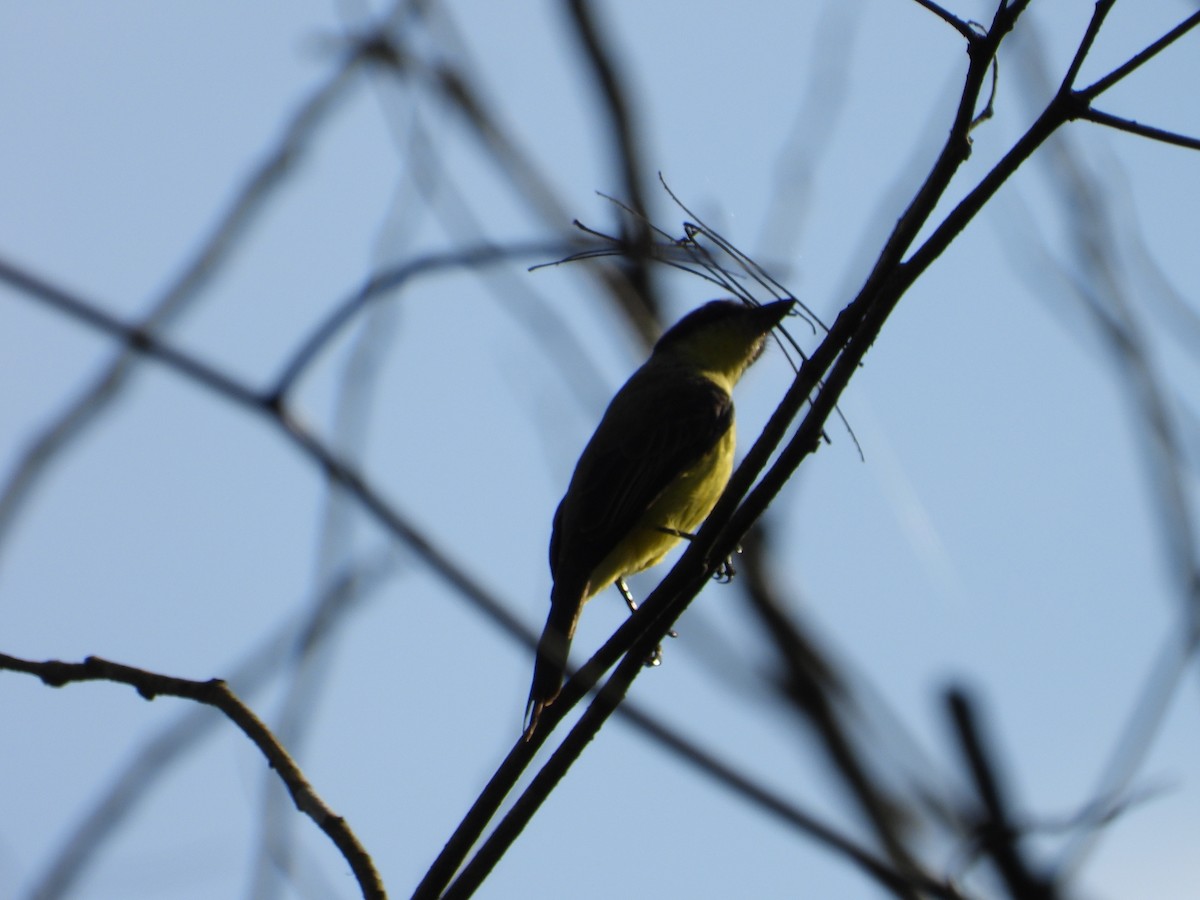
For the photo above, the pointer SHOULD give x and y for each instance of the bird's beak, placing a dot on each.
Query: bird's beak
(771, 314)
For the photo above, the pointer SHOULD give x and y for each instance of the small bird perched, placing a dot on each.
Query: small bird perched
(651, 473)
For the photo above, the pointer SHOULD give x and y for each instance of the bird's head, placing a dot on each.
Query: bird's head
(721, 338)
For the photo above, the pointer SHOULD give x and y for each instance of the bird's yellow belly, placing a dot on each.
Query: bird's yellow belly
(685, 503)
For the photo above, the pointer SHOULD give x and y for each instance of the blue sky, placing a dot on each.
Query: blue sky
(1002, 531)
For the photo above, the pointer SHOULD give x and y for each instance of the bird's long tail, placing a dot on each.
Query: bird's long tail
(552, 652)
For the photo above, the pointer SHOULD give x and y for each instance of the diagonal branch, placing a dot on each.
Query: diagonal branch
(1141, 58)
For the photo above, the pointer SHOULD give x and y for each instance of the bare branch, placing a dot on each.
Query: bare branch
(1146, 131)
(628, 146)
(810, 685)
(1085, 44)
(391, 280)
(473, 874)
(141, 774)
(950, 19)
(996, 830)
(1139, 59)
(216, 693)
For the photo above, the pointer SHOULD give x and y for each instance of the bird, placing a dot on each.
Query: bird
(652, 471)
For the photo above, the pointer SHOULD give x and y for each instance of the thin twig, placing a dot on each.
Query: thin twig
(216, 693)
(119, 799)
(1138, 60)
(1147, 131)
(950, 19)
(626, 140)
(391, 280)
(1085, 44)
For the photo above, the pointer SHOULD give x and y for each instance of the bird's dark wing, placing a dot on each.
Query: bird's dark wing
(657, 427)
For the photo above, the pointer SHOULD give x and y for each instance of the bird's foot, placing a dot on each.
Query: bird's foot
(633, 607)
(654, 660)
(725, 572)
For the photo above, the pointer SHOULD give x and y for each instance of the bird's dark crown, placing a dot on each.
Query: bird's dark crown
(712, 313)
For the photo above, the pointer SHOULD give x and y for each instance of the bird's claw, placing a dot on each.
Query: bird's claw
(725, 572)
